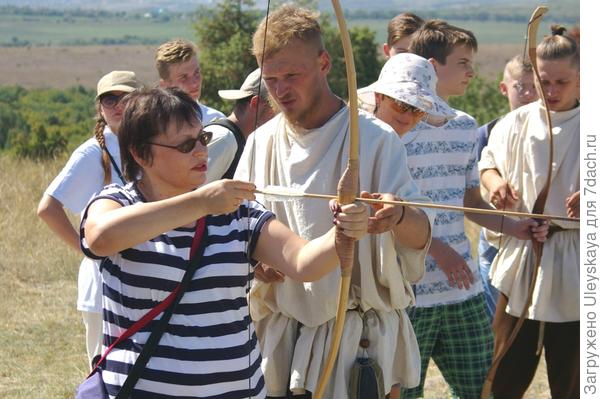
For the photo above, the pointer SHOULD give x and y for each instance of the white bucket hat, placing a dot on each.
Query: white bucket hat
(411, 79)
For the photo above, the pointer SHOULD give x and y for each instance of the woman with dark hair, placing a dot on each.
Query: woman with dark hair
(143, 233)
(92, 165)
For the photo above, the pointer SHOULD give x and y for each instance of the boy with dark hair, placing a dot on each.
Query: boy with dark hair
(400, 31)
(450, 318)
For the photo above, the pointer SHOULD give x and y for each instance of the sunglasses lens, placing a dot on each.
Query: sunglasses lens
(205, 137)
(187, 146)
(110, 101)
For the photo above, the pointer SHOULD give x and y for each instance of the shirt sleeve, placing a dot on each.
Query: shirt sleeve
(221, 152)
(113, 192)
(80, 179)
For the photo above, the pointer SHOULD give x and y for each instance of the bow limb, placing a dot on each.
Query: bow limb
(538, 207)
(347, 189)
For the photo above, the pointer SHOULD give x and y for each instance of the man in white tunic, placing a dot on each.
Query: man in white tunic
(305, 147)
(513, 168)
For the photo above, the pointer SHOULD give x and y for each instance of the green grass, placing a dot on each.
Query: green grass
(58, 31)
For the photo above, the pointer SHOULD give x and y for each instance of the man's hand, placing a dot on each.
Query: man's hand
(386, 216)
(530, 229)
(453, 265)
(267, 274)
(572, 204)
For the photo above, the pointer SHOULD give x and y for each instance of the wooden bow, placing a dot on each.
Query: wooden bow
(538, 207)
(347, 189)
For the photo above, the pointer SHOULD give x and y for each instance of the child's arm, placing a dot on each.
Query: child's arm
(452, 264)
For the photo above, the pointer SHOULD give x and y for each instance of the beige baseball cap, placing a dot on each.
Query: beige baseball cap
(249, 88)
(125, 81)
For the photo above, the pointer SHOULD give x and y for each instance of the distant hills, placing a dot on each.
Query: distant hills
(371, 5)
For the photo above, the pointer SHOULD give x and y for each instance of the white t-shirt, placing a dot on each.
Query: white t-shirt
(75, 185)
(221, 151)
(209, 114)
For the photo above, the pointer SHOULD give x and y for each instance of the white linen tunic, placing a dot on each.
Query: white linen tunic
(313, 161)
(518, 149)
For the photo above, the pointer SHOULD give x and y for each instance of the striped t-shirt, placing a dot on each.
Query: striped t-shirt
(443, 162)
(209, 348)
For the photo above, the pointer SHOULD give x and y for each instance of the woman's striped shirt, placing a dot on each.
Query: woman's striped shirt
(209, 349)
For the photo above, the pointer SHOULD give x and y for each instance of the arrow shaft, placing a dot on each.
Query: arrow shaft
(426, 205)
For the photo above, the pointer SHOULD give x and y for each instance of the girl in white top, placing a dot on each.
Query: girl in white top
(94, 164)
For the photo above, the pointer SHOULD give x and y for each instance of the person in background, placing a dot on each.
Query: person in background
(513, 169)
(177, 66)
(400, 31)
(518, 88)
(143, 234)
(450, 317)
(94, 164)
(251, 110)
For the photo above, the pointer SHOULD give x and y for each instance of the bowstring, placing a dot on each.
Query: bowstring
(250, 173)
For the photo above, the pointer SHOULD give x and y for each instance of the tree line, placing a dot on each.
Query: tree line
(42, 123)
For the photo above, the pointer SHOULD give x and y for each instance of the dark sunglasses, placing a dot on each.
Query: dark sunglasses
(403, 107)
(204, 138)
(111, 100)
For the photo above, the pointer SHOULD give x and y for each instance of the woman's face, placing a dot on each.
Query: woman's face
(172, 171)
(401, 117)
(560, 83)
(111, 108)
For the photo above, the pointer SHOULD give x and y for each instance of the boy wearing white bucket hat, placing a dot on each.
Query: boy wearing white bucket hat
(449, 319)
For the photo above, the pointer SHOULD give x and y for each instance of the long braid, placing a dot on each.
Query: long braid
(99, 135)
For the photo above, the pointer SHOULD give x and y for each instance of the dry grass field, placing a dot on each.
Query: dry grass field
(63, 67)
(42, 348)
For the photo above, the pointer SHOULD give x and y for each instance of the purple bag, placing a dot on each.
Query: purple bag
(93, 387)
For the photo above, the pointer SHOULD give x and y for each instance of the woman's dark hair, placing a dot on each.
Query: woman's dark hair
(149, 113)
(558, 45)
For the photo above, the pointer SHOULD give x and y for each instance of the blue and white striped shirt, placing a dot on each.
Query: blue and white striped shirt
(209, 348)
(443, 162)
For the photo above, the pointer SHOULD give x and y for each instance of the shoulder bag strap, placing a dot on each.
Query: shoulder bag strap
(241, 143)
(149, 347)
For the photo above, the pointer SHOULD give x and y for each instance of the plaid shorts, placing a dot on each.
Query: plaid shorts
(459, 339)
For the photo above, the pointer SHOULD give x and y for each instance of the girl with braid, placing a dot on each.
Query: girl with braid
(94, 164)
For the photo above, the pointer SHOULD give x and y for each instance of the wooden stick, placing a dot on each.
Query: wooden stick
(426, 205)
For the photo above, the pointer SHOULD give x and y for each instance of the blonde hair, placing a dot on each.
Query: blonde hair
(173, 52)
(558, 46)
(403, 25)
(286, 24)
(516, 66)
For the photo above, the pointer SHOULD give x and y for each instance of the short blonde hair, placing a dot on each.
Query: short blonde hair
(173, 52)
(285, 25)
(516, 67)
